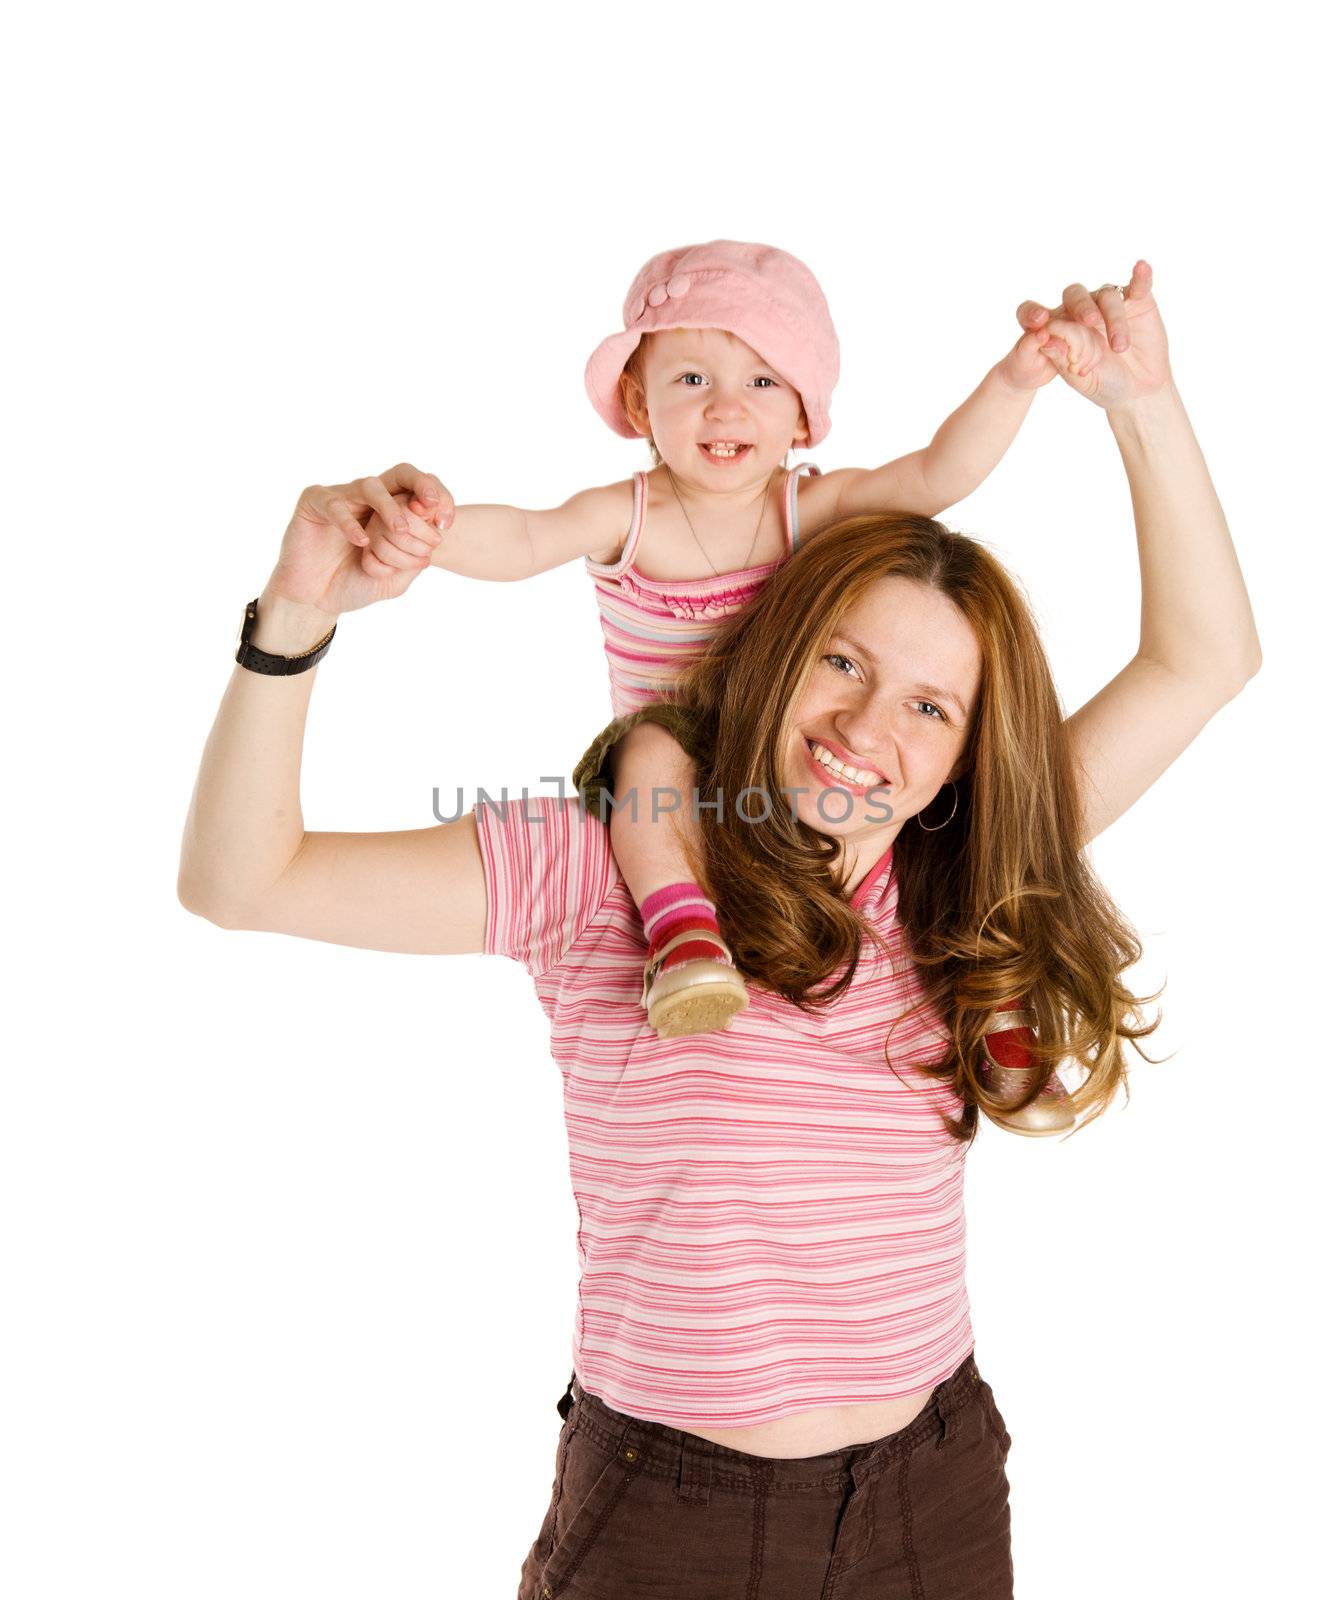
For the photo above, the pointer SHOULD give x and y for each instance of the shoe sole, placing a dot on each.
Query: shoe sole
(1060, 1103)
(1031, 1133)
(1034, 1133)
(705, 1000)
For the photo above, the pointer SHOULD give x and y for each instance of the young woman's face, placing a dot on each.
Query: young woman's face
(891, 698)
(719, 415)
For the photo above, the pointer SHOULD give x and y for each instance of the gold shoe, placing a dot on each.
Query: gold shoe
(697, 996)
(1052, 1110)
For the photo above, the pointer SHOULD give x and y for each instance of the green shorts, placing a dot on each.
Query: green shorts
(593, 774)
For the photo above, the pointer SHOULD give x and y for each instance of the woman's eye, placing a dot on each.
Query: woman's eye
(932, 707)
(846, 661)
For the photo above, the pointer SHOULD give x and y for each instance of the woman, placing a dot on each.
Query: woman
(777, 1392)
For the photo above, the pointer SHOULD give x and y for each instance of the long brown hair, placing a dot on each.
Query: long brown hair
(1000, 905)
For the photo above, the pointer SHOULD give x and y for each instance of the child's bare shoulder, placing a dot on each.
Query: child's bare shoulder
(845, 492)
(818, 499)
(605, 514)
(592, 523)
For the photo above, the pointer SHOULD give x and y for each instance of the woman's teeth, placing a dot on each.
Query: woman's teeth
(826, 758)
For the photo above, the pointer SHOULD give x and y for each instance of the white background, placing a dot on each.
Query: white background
(286, 1235)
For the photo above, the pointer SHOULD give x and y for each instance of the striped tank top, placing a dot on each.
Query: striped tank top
(653, 627)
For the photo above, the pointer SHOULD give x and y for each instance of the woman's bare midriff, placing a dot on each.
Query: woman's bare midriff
(815, 1433)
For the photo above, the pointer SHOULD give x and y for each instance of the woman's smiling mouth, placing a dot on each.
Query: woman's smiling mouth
(841, 774)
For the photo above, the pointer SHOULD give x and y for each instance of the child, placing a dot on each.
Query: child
(727, 361)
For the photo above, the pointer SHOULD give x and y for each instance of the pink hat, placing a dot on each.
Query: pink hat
(766, 297)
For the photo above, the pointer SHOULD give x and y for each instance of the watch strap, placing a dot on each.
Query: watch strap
(257, 660)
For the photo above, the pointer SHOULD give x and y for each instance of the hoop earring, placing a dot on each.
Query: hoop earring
(947, 819)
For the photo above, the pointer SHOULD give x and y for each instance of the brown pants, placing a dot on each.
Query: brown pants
(642, 1510)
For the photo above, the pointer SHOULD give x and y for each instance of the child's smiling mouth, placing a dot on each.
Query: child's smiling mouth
(723, 451)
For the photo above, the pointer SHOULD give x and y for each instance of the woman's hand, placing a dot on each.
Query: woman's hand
(1109, 345)
(326, 561)
(400, 545)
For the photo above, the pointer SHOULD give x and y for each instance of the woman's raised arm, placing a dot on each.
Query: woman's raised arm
(1198, 646)
(247, 861)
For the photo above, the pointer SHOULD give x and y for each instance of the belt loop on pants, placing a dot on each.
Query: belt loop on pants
(946, 1414)
(693, 1472)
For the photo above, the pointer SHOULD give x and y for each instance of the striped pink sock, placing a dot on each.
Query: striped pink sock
(681, 908)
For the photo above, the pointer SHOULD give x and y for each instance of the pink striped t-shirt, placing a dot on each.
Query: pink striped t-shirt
(653, 627)
(771, 1217)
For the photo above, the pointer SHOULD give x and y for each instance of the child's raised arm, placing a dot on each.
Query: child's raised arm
(500, 543)
(957, 459)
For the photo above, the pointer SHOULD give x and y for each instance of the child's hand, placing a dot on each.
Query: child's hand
(1110, 345)
(433, 502)
(1026, 366)
(404, 546)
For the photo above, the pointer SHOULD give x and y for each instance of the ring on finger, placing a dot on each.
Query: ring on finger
(1115, 286)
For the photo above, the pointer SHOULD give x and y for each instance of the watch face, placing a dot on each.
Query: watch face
(248, 609)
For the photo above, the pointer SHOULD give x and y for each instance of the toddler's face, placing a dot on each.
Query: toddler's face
(718, 413)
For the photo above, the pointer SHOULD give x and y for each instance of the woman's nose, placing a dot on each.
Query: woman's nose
(866, 730)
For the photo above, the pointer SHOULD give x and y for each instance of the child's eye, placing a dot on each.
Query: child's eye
(699, 377)
(848, 662)
(935, 709)
(769, 381)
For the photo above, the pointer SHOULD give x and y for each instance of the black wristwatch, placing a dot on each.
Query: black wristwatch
(275, 666)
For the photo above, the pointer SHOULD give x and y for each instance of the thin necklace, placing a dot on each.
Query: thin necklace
(764, 501)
